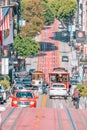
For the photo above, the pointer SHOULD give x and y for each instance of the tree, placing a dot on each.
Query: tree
(5, 83)
(36, 13)
(83, 89)
(62, 9)
(48, 15)
(26, 46)
(32, 12)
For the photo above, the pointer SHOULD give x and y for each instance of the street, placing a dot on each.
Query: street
(61, 113)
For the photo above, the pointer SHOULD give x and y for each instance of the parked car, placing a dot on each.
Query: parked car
(24, 98)
(31, 71)
(1, 98)
(65, 59)
(27, 83)
(3, 93)
(58, 89)
(71, 43)
(19, 82)
(20, 87)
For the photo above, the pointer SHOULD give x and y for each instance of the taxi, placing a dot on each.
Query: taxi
(23, 98)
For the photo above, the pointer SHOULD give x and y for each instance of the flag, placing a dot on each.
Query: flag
(8, 35)
(4, 18)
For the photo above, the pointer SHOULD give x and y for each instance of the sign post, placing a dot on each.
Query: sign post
(5, 66)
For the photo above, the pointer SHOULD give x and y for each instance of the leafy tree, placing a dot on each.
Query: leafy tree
(26, 46)
(83, 89)
(48, 15)
(5, 83)
(64, 10)
(33, 14)
(36, 13)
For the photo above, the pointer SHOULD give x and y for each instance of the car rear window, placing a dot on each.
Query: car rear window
(26, 80)
(58, 86)
(24, 95)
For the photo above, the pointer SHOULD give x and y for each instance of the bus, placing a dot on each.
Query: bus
(37, 79)
(59, 75)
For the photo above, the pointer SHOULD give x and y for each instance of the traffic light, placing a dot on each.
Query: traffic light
(80, 36)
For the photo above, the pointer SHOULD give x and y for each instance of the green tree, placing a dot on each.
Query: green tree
(64, 10)
(26, 46)
(5, 83)
(48, 15)
(32, 12)
(36, 13)
(83, 89)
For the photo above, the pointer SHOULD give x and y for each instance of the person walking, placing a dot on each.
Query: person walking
(69, 89)
(76, 97)
(44, 87)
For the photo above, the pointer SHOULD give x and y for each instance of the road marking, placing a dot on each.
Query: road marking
(44, 100)
(39, 115)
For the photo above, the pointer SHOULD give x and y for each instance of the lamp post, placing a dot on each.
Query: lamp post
(13, 58)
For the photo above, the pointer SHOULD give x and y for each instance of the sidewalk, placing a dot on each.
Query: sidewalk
(83, 102)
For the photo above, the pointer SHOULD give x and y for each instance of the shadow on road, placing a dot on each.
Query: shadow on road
(63, 36)
(47, 46)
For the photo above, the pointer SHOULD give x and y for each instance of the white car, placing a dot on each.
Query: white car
(3, 92)
(58, 89)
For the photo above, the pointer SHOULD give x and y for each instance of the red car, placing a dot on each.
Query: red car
(23, 98)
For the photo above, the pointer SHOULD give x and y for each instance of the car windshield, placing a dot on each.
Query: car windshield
(65, 57)
(20, 87)
(1, 87)
(18, 82)
(26, 80)
(73, 82)
(24, 95)
(31, 70)
(58, 86)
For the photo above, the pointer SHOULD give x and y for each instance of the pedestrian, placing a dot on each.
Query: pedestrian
(76, 97)
(44, 86)
(69, 89)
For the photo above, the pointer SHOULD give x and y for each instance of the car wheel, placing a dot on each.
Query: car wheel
(5, 101)
(50, 97)
(65, 97)
(2, 102)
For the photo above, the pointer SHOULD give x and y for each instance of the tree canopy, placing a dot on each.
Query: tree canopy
(26, 46)
(63, 9)
(37, 14)
(32, 12)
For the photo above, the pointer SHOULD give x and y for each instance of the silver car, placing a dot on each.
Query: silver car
(58, 89)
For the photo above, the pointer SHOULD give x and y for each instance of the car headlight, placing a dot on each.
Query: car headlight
(15, 102)
(32, 103)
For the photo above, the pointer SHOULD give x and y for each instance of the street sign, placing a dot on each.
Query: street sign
(5, 66)
(70, 28)
(80, 36)
(22, 22)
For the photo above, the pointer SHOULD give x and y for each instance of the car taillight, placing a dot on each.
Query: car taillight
(15, 102)
(32, 103)
(51, 88)
(33, 82)
(64, 88)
